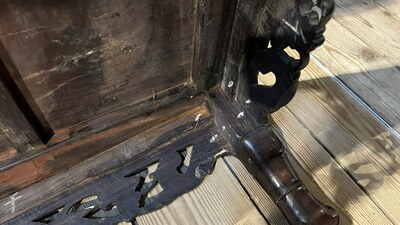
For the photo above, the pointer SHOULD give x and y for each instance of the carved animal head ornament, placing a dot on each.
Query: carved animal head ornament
(302, 30)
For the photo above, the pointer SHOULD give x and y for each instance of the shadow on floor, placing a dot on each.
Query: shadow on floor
(354, 137)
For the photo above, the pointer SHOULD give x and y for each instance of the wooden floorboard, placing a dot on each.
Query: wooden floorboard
(362, 49)
(391, 6)
(357, 141)
(263, 201)
(330, 176)
(342, 128)
(341, 131)
(339, 149)
(218, 200)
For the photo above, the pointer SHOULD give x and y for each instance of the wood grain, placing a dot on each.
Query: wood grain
(7, 151)
(370, 19)
(13, 82)
(13, 123)
(264, 202)
(61, 158)
(152, 135)
(360, 144)
(122, 185)
(218, 200)
(213, 29)
(336, 184)
(391, 6)
(362, 50)
(82, 59)
(258, 195)
(350, 141)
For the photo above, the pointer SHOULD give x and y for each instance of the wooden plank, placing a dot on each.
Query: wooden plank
(87, 129)
(213, 28)
(65, 156)
(159, 167)
(331, 177)
(392, 6)
(155, 133)
(83, 59)
(13, 123)
(218, 200)
(7, 151)
(240, 127)
(369, 18)
(244, 28)
(12, 80)
(263, 201)
(362, 50)
(345, 218)
(359, 143)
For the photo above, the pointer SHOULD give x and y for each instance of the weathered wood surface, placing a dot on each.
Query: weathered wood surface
(13, 124)
(152, 131)
(262, 153)
(243, 29)
(213, 29)
(83, 59)
(218, 200)
(344, 148)
(361, 145)
(63, 157)
(7, 151)
(362, 50)
(334, 128)
(87, 129)
(134, 188)
(331, 177)
(260, 198)
(264, 202)
(13, 81)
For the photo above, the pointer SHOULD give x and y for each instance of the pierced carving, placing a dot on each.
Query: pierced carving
(109, 211)
(281, 46)
(50, 216)
(186, 156)
(144, 185)
(122, 195)
(302, 30)
(84, 204)
(145, 177)
(151, 195)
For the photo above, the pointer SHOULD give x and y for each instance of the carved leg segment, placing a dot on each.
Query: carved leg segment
(262, 153)
(278, 178)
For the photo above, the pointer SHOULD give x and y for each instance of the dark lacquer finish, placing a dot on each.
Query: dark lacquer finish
(302, 31)
(263, 155)
(114, 87)
(278, 177)
(149, 182)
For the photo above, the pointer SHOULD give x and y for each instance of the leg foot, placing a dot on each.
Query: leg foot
(277, 177)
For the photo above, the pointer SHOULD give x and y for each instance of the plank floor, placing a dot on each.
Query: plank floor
(348, 154)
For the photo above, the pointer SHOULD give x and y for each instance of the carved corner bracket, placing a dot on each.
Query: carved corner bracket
(278, 25)
(150, 182)
(302, 30)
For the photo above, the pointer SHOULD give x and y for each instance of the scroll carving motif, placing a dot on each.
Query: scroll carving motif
(301, 30)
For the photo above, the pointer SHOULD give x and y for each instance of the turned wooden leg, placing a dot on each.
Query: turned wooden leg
(277, 177)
